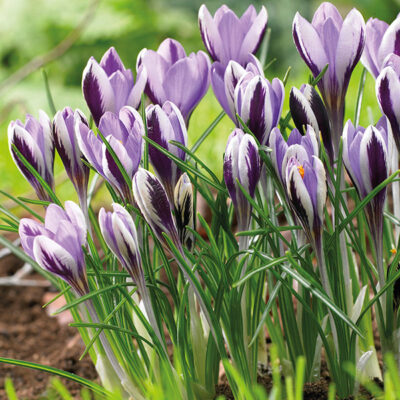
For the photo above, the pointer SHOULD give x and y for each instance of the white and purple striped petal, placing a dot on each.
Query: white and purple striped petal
(34, 140)
(67, 147)
(164, 124)
(259, 104)
(152, 200)
(241, 164)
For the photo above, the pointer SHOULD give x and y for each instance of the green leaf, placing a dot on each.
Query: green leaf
(55, 371)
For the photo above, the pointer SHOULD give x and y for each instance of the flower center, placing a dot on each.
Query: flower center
(301, 170)
(393, 251)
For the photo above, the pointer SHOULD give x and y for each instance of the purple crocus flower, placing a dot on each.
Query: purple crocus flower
(225, 78)
(241, 164)
(307, 108)
(57, 245)
(165, 124)
(67, 147)
(152, 200)
(365, 155)
(387, 91)
(119, 232)
(302, 147)
(124, 133)
(380, 41)
(35, 142)
(227, 37)
(259, 103)
(173, 76)
(331, 40)
(109, 86)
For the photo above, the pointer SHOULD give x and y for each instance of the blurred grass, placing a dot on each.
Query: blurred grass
(30, 29)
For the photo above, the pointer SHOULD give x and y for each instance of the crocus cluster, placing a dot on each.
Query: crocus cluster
(122, 139)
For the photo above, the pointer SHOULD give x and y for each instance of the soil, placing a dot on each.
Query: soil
(28, 333)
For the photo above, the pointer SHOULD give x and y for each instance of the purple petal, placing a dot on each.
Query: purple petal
(210, 34)
(111, 62)
(97, 90)
(171, 50)
(309, 44)
(28, 230)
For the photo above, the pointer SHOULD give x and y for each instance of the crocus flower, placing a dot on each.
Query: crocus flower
(227, 37)
(302, 147)
(67, 146)
(119, 232)
(124, 134)
(307, 108)
(241, 164)
(165, 124)
(57, 245)
(331, 40)
(152, 200)
(387, 91)
(35, 142)
(306, 189)
(365, 155)
(173, 76)
(259, 103)
(380, 41)
(225, 78)
(183, 204)
(109, 86)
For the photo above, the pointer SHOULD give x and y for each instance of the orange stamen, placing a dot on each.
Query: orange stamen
(301, 170)
(393, 251)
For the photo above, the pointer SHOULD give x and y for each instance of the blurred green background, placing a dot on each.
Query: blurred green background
(32, 30)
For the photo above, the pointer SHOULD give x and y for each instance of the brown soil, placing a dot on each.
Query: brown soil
(28, 333)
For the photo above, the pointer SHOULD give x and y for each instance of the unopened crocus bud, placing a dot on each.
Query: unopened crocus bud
(227, 37)
(124, 134)
(387, 90)
(225, 78)
(307, 108)
(329, 39)
(365, 155)
(57, 245)
(109, 86)
(381, 40)
(183, 202)
(306, 188)
(67, 147)
(119, 232)
(35, 142)
(241, 164)
(259, 103)
(152, 200)
(174, 76)
(165, 124)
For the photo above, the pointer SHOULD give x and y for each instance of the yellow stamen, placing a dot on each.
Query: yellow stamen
(301, 170)
(393, 251)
